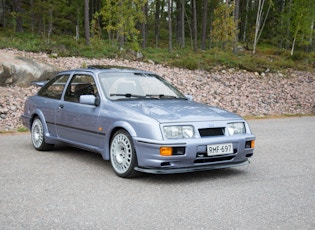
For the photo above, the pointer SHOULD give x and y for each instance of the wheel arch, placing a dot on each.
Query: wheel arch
(39, 114)
(115, 127)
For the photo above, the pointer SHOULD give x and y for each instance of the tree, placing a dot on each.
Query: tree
(144, 26)
(180, 22)
(120, 19)
(17, 9)
(157, 22)
(236, 21)
(86, 22)
(223, 31)
(302, 22)
(194, 10)
(170, 36)
(260, 21)
(204, 24)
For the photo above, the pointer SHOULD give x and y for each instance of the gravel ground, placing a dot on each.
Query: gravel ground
(245, 93)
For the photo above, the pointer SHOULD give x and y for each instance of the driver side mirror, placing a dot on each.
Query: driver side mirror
(90, 100)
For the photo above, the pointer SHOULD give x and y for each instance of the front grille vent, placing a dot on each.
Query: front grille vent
(209, 160)
(211, 132)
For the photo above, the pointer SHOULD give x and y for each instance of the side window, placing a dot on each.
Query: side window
(80, 85)
(54, 88)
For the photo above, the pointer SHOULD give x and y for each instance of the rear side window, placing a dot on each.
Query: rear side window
(55, 87)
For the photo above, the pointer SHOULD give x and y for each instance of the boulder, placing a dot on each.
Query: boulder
(21, 71)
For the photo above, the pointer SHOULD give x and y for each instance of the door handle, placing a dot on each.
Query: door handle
(61, 106)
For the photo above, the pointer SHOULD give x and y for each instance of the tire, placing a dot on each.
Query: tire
(38, 136)
(123, 156)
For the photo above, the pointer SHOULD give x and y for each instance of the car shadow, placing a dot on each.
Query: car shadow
(96, 160)
(80, 155)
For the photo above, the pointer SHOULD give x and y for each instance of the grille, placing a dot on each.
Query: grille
(210, 132)
(217, 159)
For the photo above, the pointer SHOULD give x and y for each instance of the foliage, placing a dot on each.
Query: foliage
(223, 25)
(122, 28)
(118, 29)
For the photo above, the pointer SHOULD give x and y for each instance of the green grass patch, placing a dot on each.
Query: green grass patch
(267, 57)
(22, 129)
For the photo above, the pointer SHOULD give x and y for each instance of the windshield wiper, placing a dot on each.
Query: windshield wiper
(159, 96)
(127, 95)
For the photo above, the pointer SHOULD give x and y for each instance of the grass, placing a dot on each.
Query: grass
(20, 129)
(267, 57)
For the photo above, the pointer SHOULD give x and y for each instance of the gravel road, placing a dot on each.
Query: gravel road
(69, 188)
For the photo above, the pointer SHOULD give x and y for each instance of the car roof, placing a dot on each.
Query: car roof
(107, 68)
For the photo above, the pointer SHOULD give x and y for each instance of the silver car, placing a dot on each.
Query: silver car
(137, 120)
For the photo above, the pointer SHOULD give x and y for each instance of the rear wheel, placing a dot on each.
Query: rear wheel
(38, 137)
(123, 157)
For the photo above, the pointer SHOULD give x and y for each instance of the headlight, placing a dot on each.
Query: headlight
(236, 128)
(174, 132)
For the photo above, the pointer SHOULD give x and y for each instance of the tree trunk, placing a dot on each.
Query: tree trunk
(311, 35)
(204, 24)
(169, 6)
(178, 21)
(144, 27)
(50, 24)
(259, 25)
(288, 26)
(157, 22)
(17, 8)
(194, 10)
(294, 39)
(236, 20)
(246, 20)
(183, 23)
(86, 22)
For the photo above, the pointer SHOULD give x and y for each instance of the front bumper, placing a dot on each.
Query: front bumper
(190, 169)
(195, 156)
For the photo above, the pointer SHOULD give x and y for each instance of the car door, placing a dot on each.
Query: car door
(77, 123)
(49, 97)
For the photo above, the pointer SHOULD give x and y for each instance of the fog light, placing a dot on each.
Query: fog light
(166, 151)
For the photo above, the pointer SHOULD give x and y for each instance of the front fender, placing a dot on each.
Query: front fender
(110, 132)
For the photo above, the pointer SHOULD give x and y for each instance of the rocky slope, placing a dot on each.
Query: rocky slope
(245, 93)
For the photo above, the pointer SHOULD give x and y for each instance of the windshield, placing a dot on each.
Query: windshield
(118, 86)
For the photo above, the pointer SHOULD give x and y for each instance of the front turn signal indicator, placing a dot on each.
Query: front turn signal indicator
(166, 151)
(250, 144)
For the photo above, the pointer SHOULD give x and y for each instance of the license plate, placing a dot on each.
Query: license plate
(219, 149)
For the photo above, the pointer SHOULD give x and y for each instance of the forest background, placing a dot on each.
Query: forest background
(256, 35)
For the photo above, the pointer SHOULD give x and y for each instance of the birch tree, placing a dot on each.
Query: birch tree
(302, 23)
(260, 21)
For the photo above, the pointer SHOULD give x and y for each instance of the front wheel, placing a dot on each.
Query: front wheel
(123, 157)
(38, 136)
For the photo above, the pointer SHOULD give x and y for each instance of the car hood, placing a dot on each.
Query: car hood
(170, 110)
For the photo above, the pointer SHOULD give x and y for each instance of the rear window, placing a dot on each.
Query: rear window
(55, 87)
